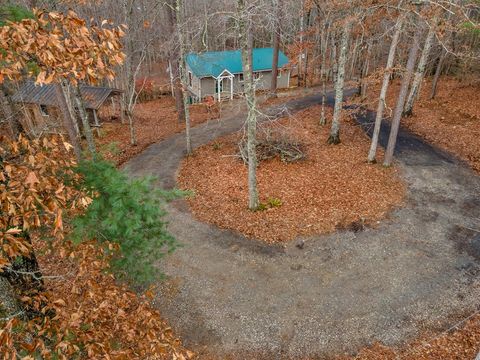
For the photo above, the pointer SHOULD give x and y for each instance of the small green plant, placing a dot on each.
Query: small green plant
(216, 146)
(274, 202)
(270, 204)
(129, 212)
(262, 207)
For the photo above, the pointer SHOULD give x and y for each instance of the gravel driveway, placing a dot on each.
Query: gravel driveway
(232, 298)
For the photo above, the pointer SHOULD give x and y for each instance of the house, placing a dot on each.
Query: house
(220, 74)
(41, 110)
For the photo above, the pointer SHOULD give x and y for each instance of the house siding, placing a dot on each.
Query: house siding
(197, 87)
(207, 86)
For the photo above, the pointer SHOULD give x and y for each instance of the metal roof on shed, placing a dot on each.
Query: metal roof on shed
(93, 96)
(213, 63)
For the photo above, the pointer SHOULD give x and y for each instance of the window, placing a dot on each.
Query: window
(44, 110)
(257, 75)
(190, 78)
(240, 77)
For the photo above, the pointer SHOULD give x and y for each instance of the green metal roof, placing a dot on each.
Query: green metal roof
(213, 63)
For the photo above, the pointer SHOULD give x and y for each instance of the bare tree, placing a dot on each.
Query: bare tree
(82, 112)
(68, 121)
(179, 10)
(129, 68)
(277, 5)
(438, 71)
(383, 92)
(334, 137)
(246, 45)
(174, 60)
(420, 69)
(397, 114)
(323, 76)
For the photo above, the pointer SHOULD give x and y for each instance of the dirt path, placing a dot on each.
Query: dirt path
(228, 297)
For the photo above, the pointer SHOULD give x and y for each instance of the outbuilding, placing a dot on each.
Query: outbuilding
(41, 113)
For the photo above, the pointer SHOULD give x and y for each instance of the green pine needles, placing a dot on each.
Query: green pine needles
(129, 212)
(14, 13)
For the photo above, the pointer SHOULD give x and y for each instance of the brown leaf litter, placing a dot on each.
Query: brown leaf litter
(332, 188)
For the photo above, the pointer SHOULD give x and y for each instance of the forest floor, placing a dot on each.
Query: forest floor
(416, 274)
(331, 188)
(451, 121)
(156, 120)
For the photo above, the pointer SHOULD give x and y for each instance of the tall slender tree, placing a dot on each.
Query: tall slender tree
(438, 71)
(323, 71)
(246, 44)
(422, 64)
(174, 60)
(334, 137)
(397, 114)
(277, 6)
(68, 120)
(383, 92)
(179, 10)
(82, 111)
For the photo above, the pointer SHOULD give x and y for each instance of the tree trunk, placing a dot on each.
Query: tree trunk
(87, 130)
(383, 92)
(420, 70)
(323, 75)
(13, 125)
(175, 59)
(438, 71)
(333, 59)
(68, 121)
(276, 47)
(334, 137)
(397, 114)
(183, 71)
(246, 45)
(364, 74)
(300, 59)
(131, 125)
(129, 97)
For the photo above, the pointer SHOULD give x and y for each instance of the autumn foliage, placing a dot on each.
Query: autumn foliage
(54, 45)
(33, 193)
(80, 311)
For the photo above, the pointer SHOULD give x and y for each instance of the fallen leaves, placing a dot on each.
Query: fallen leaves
(80, 311)
(331, 189)
(459, 344)
(451, 121)
(154, 121)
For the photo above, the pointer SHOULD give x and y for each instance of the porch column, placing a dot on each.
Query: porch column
(97, 123)
(219, 90)
(231, 87)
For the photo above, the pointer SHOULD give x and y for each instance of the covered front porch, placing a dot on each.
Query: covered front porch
(224, 86)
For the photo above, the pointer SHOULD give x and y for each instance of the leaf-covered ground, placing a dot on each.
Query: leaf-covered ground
(80, 311)
(154, 121)
(332, 188)
(450, 121)
(461, 343)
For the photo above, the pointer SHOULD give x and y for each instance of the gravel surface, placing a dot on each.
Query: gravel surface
(232, 298)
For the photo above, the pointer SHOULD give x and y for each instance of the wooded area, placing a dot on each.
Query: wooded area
(284, 121)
